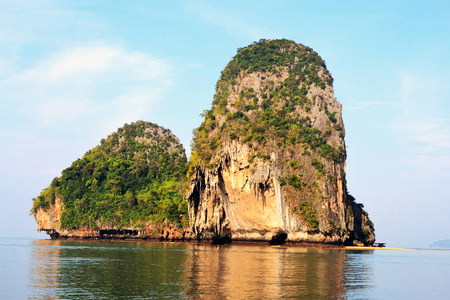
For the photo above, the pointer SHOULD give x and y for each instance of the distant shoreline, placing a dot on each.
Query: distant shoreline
(393, 248)
(379, 248)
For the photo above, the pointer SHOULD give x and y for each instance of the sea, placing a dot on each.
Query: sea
(62, 269)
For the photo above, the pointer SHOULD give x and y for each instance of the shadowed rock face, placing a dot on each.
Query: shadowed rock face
(268, 162)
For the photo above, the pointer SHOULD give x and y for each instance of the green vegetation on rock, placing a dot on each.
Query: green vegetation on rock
(274, 116)
(309, 214)
(274, 113)
(135, 176)
(269, 97)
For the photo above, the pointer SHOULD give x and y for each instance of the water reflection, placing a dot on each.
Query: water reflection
(258, 273)
(45, 272)
(71, 270)
(358, 271)
(106, 270)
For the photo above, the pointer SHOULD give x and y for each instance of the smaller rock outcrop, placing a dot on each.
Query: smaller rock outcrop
(130, 186)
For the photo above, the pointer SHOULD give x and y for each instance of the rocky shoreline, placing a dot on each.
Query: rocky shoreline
(309, 245)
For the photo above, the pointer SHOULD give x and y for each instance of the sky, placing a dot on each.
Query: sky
(72, 72)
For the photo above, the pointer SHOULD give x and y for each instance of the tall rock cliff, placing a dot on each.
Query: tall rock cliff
(131, 185)
(268, 161)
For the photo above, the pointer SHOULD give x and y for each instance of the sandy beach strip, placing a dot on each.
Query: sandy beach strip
(377, 248)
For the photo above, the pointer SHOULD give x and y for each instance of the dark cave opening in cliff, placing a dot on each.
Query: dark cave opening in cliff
(278, 238)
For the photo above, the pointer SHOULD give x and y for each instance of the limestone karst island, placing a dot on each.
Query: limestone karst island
(267, 165)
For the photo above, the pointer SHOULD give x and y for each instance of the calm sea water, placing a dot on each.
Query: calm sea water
(45, 269)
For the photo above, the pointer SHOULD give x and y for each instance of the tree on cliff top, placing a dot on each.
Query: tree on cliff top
(134, 176)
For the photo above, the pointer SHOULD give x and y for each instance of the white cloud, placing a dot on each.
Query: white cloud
(30, 28)
(426, 166)
(431, 138)
(423, 94)
(423, 124)
(92, 61)
(79, 61)
(23, 21)
(91, 84)
(62, 105)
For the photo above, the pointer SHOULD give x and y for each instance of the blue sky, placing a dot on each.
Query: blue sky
(72, 72)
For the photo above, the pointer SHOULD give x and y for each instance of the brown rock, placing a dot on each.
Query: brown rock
(274, 189)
